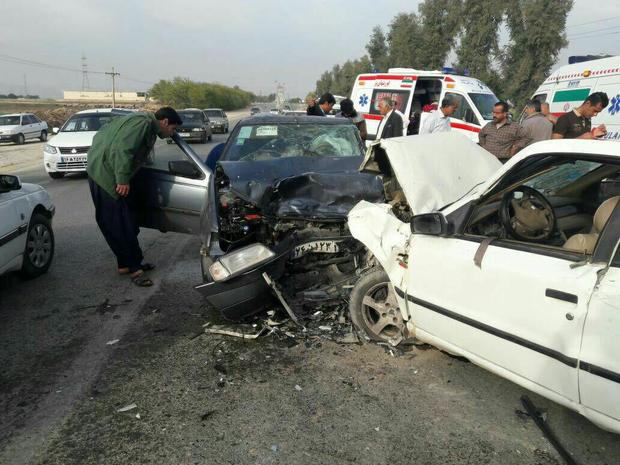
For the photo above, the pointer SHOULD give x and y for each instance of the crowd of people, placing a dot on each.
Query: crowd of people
(502, 136)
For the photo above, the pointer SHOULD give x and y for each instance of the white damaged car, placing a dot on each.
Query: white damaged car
(515, 267)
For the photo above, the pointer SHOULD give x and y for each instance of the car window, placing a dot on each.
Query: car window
(162, 153)
(9, 120)
(92, 122)
(282, 140)
(561, 176)
(399, 97)
(214, 113)
(26, 119)
(191, 117)
(484, 103)
(540, 97)
(35, 119)
(464, 112)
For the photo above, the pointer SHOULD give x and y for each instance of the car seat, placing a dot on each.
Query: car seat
(585, 243)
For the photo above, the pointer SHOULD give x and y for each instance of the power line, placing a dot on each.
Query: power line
(596, 35)
(596, 31)
(593, 22)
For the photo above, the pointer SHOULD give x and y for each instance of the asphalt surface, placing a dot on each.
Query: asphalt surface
(209, 399)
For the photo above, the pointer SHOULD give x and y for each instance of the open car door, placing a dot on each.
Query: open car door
(173, 190)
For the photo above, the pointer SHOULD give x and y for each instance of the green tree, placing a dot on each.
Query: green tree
(534, 45)
(479, 48)
(403, 39)
(440, 23)
(378, 50)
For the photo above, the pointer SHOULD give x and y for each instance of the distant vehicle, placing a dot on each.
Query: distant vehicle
(26, 236)
(20, 127)
(294, 113)
(66, 152)
(254, 110)
(336, 108)
(415, 91)
(274, 111)
(196, 126)
(568, 87)
(219, 119)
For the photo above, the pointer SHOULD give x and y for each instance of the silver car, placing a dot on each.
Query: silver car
(219, 119)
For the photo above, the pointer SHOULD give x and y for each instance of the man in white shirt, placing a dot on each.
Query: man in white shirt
(392, 124)
(439, 120)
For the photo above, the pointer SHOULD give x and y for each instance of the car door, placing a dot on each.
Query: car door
(13, 227)
(172, 189)
(599, 365)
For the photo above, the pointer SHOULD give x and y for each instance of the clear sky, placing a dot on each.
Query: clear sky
(250, 43)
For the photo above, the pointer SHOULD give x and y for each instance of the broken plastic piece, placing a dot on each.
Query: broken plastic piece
(127, 408)
(230, 331)
(286, 306)
(112, 342)
(298, 387)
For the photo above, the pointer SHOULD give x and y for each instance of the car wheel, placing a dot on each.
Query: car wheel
(56, 174)
(210, 137)
(43, 136)
(374, 309)
(226, 132)
(20, 139)
(39, 249)
(204, 139)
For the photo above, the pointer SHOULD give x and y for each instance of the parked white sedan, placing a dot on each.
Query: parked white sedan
(22, 126)
(26, 236)
(515, 267)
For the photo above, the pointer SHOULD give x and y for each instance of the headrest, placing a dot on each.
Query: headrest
(603, 212)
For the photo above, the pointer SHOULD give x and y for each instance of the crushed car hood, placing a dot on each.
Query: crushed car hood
(433, 170)
(303, 187)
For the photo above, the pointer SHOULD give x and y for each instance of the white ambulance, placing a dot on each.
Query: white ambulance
(567, 87)
(416, 92)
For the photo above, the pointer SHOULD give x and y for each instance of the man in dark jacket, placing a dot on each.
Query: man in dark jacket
(392, 123)
(325, 105)
(118, 151)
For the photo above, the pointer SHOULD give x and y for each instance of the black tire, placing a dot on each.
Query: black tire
(210, 137)
(226, 132)
(381, 321)
(39, 250)
(20, 139)
(43, 136)
(56, 174)
(204, 139)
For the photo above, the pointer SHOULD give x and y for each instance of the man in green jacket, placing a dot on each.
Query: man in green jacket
(118, 151)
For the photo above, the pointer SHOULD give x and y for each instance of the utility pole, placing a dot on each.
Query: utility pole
(85, 83)
(113, 74)
(25, 87)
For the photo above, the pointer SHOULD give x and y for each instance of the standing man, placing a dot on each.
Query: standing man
(439, 120)
(536, 126)
(392, 123)
(544, 109)
(501, 137)
(325, 105)
(118, 151)
(577, 124)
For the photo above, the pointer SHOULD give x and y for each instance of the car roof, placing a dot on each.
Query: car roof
(267, 118)
(602, 147)
(17, 114)
(104, 110)
(219, 109)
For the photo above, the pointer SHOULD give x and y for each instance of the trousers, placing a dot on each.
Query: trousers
(117, 221)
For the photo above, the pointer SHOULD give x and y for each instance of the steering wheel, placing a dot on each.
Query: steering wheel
(529, 217)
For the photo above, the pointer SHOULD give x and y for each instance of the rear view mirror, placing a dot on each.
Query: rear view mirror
(55, 130)
(9, 183)
(432, 224)
(184, 168)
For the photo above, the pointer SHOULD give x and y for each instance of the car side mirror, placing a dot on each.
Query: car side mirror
(9, 183)
(55, 130)
(431, 224)
(184, 168)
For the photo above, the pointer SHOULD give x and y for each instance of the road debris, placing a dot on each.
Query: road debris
(298, 387)
(127, 408)
(112, 342)
(540, 418)
(242, 331)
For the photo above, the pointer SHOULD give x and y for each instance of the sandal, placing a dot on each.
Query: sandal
(143, 267)
(141, 281)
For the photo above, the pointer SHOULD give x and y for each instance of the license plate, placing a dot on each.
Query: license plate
(184, 134)
(73, 159)
(316, 247)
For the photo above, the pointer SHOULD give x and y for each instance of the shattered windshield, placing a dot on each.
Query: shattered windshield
(9, 120)
(561, 175)
(484, 103)
(273, 141)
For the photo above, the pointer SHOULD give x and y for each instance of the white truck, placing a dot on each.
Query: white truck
(416, 92)
(568, 86)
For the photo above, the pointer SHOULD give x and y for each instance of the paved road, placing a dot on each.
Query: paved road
(210, 399)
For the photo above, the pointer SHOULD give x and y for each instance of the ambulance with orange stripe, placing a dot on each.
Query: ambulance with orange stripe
(567, 88)
(417, 92)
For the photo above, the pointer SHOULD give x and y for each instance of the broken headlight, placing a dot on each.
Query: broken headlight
(239, 261)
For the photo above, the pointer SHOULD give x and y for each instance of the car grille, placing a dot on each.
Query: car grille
(69, 150)
(71, 165)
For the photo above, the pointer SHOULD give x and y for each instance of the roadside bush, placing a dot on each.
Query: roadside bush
(184, 93)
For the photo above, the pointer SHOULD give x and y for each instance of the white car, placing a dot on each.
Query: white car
(66, 152)
(515, 267)
(20, 127)
(26, 236)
